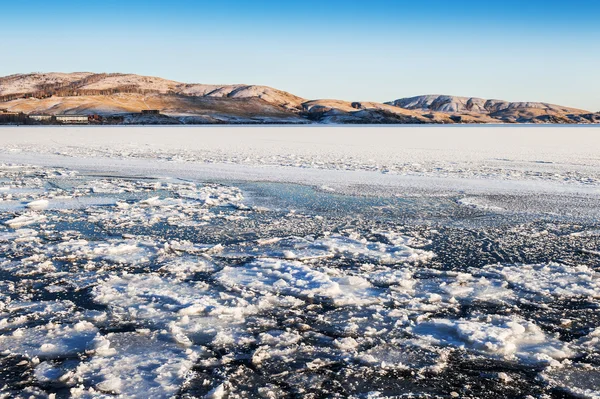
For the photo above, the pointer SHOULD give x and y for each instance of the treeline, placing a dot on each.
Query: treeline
(68, 92)
(126, 89)
(73, 89)
(49, 87)
(47, 90)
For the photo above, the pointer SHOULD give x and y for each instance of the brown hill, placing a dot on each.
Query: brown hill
(498, 110)
(127, 95)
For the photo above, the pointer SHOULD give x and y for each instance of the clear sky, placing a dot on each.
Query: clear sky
(376, 50)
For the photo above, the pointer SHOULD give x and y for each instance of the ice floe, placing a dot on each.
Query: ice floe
(298, 280)
(551, 279)
(127, 364)
(508, 337)
(50, 340)
(38, 204)
(25, 220)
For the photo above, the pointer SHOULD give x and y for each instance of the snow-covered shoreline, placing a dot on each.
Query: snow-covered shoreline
(446, 158)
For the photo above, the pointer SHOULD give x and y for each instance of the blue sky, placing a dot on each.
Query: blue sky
(369, 50)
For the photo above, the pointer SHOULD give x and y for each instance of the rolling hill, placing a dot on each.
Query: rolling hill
(503, 111)
(126, 95)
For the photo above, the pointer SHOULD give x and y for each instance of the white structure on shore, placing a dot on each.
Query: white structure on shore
(72, 119)
(40, 117)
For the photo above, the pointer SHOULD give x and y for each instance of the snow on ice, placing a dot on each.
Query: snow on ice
(168, 287)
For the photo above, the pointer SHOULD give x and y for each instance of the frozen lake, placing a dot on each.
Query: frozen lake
(276, 262)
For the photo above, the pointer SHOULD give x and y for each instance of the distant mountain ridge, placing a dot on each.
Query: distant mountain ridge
(85, 83)
(444, 103)
(111, 94)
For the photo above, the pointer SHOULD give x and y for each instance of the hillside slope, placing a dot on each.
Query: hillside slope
(185, 109)
(499, 110)
(84, 83)
(126, 95)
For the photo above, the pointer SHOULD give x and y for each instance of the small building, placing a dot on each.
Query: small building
(75, 119)
(40, 117)
(150, 112)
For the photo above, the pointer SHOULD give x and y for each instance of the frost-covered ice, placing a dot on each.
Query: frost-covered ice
(332, 245)
(507, 337)
(50, 340)
(131, 363)
(25, 220)
(478, 203)
(38, 204)
(582, 381)
(164, 286)
(299, 280)
(551, 279)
